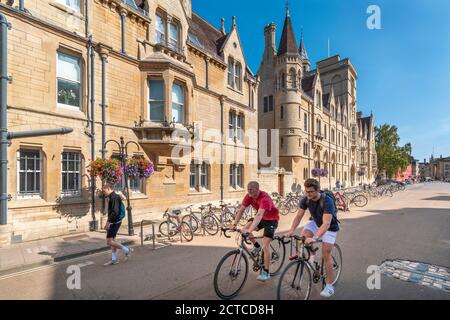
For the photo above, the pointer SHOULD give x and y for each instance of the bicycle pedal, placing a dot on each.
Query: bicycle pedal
(294, 257)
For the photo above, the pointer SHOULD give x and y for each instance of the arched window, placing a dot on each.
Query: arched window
(293, 78)
(230, 72)
(160, 29)
(174, 37)
(238, 76)
(283, 80)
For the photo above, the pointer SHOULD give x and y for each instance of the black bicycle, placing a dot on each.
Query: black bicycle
(206, 221)
(232, 270)
(299, 275)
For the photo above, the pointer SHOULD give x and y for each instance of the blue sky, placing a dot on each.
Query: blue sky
(403, 69)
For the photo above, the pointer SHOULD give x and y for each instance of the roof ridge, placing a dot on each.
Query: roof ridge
(208, 23)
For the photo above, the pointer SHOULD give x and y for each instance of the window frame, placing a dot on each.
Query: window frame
(31, 195)
(79, 83)
(162, 39)
(183, 105)
(156, 101)
(79, 162)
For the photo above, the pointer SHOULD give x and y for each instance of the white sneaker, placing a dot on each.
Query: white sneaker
(264, 276)
(128, 254)
(328, 291)
(111, 262)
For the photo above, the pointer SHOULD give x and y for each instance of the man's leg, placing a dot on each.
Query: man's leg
(267, 254)
(328, 261)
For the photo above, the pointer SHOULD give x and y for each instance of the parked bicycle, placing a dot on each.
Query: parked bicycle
(297, 278)
(232, 271)
(205, 221)
(173, 225)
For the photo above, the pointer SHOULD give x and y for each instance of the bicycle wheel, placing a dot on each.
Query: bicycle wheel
(278, 252)
(231, 274)
(389, 193)
(167, 229)
(186, 232)
(295, 282)
(211, 225)
(359, 200)
(191, 221)
(284, 209)
(336, 253)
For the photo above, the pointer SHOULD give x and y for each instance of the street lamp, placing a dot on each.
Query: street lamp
(123, 154)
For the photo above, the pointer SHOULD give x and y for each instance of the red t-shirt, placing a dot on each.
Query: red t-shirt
(264, 201)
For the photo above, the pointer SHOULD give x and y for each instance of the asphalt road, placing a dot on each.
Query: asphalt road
(413, 225)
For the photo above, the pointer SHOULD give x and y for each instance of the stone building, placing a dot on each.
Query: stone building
(315, 111)
(141, 70)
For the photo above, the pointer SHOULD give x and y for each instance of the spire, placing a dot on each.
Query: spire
(288, 44)
(302, 49)
(287, 8)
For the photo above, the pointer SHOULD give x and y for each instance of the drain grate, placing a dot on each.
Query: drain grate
(418, 272)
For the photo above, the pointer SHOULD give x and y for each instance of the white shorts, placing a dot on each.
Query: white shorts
(328, 237)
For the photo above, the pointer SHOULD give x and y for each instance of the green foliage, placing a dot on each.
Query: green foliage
(390, 156)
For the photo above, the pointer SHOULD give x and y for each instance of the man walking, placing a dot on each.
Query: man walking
(116, 212)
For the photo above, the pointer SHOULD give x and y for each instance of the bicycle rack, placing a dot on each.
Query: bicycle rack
(153, 232)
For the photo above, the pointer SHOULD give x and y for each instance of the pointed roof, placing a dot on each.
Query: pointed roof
(302, 49)
(288, 44)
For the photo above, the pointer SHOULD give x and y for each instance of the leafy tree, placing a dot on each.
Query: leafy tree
(390, 156)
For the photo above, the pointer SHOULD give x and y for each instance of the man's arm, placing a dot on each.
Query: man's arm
(298, 218)
(239, 214)
(326, 223)
(256, 220)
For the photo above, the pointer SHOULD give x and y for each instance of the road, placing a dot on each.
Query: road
(413, 225)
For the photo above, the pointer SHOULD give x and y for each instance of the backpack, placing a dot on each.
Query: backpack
(323, 194)
(123, 211)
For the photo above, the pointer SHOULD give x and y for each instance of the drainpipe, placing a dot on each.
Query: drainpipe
(21, 5)
(123, 19)
(104, 56)
(89, 44)
(207, 73)
(94, 222)
(222, 99)
(4, 25)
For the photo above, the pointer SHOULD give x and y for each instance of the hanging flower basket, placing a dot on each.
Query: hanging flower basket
(139, 167)
(323, 172)
(108, 170)
(361, 173)
(315, 172)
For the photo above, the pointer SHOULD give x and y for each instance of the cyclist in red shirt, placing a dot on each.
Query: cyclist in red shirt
(266, 218)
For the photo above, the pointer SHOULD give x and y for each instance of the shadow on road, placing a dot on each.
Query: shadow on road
(439, 198)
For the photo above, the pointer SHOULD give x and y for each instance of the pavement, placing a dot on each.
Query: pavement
(411, 229)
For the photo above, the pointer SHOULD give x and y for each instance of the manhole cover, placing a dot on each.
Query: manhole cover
(418, 272)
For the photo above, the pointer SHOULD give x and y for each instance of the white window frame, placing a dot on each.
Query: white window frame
(237, 75)
(174, 43)
(231, 76)
(181, 105)
(150, 98)
(80, 82)
(70, 4)
(29, 195)
(204, 175)
(161, 35)
(77, 192)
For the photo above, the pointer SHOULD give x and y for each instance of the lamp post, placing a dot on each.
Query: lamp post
(123, 154)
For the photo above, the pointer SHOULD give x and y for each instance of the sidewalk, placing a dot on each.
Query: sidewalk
(31, 254)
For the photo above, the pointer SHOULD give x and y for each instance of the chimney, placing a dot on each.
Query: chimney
(269, 35)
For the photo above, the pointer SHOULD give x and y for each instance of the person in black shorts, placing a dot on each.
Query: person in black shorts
(113, 224)
(266, 218)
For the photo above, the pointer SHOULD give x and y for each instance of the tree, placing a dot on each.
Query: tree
(390, 156)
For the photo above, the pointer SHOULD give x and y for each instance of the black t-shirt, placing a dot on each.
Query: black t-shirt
(114, 207)
(317, 211)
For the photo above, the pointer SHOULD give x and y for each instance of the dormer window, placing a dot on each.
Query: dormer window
(318, 99)
(234, 74)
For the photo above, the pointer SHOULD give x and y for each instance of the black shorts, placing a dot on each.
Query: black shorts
(269, 227)
(113, 229)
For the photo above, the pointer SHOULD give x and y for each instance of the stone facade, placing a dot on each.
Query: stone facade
(315, 112)
(126, 36)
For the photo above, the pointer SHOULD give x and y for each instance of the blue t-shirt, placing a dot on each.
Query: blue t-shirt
(317, 212)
